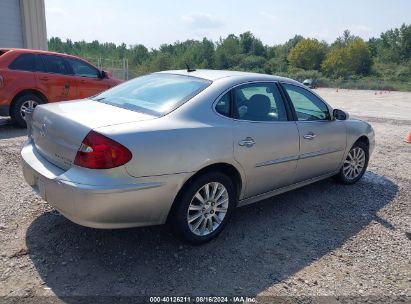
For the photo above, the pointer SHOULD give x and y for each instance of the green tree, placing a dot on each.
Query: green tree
(336, 63)
(56, 44)
(344, 40)
(246, 42)
(257, 48)
(291, 43)
(138, 54)
(359, 57)
(386, 57)
(276, 65)
(207, 53)
(253, 63)
(307, 54)
(160, 62)
(354, 59)
(251, 45)
(393, 45)
(227, 52)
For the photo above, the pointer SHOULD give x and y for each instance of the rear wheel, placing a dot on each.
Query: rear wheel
(203, 209)
(355, 164)
(27, 101)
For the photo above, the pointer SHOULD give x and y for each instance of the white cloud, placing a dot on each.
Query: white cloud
(362, 28)
(322, 34)
(269, 16)
(56, 11)
(201, 21)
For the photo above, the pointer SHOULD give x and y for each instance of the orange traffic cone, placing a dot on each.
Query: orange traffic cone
(408, 139)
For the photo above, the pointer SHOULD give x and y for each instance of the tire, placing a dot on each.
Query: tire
(210, 210)
(27, 100)
(354, 162)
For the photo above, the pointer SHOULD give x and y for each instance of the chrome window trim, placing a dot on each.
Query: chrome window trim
(320, 152)
(277, 161)
(317, 121)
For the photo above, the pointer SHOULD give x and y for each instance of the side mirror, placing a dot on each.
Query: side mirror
(103, 74)
(340, 114)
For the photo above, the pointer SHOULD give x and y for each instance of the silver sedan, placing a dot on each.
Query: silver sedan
(186, 148)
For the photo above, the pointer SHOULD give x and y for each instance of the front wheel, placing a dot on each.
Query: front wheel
(354, 165)
(204, 208)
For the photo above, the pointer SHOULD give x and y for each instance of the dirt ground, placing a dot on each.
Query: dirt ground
(324, 239)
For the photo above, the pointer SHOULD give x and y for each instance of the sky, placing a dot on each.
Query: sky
(154, 22)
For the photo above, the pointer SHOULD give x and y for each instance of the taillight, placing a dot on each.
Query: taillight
(1, 81)
(100, 152)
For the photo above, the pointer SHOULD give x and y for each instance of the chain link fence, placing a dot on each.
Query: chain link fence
(115, 68)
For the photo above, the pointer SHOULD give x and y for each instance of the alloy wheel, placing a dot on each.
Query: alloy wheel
(208, 208)
(354, 163)
(27, 105)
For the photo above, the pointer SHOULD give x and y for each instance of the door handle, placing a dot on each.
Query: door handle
(310, 136)
(248, 142)
(44, 78)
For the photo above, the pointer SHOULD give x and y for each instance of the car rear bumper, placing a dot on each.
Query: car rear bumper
(139, 202)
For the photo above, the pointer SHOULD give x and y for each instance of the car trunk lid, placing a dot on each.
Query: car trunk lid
(58, 129)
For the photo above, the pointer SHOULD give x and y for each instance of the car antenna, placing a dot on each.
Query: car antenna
(189, 70)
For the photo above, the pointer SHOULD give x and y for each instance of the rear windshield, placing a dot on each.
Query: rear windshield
(156, 94)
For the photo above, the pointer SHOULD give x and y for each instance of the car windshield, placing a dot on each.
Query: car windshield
(156, 94)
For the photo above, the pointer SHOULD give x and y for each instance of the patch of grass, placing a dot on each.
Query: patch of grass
(353, 82)
(366, 84)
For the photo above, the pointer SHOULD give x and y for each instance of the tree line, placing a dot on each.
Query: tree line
(382, 61)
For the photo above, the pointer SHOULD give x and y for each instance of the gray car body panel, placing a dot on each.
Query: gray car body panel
(168, 150)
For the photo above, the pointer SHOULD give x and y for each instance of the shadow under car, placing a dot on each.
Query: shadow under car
(263, 244)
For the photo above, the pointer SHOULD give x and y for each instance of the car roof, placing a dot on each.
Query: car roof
(30, 51)
(218, 74)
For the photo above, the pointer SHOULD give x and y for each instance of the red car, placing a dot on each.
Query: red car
(31, 77)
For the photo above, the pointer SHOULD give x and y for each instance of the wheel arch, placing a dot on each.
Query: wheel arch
(230, 170)
(364, 139)
(359, 131)
(25, 92)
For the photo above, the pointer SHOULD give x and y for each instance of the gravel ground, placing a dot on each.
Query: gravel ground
(321, 240)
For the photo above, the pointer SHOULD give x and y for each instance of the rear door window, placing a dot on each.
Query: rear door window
(24, 62)
(259, 102)
(54, 64)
